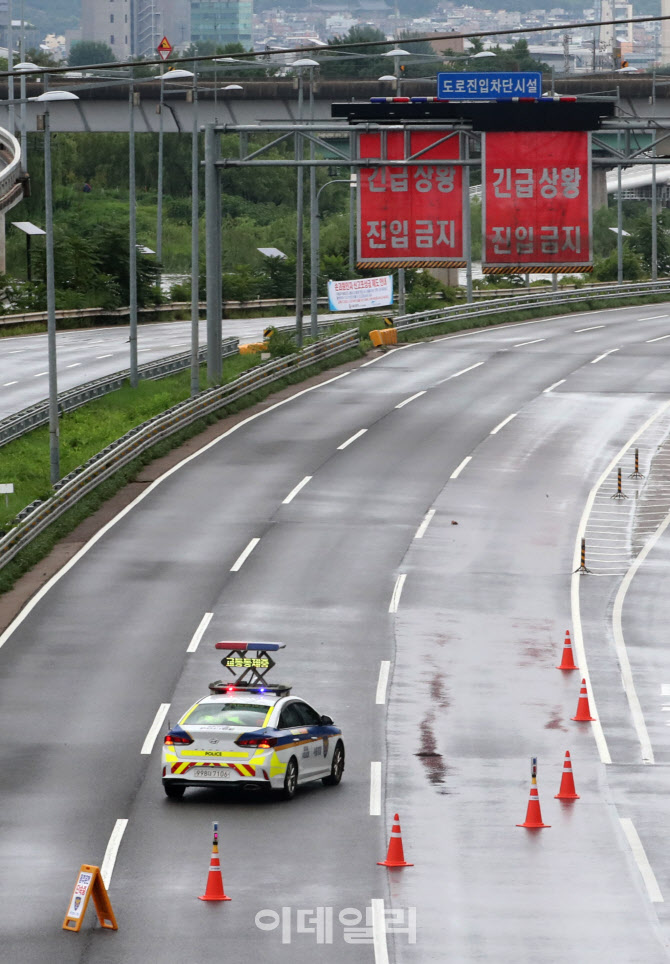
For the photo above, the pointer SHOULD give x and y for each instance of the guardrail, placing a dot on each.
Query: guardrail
(35, 518)
(528, 301)
(11, 179)
(13, 426)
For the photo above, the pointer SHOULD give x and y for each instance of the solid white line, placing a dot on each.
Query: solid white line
(577, 637)
(39, 595)
(649, 341)
(105, 356)
(410, 399)
(379, 357)
(241, 559)
(457, 472)
(112, 850)
(148, 744)
(650, 882)
(7, 384)
(462, 372)
(555, 385)
(353, 438)
(379, 932)
(74, 365)
(397, 592)
(375, 789)
(199, 633)
(533, 342)
(382, 682)
(292, 494)
(503, 423)
(604, 355)
(342, 375)
(592, 328)
(424, 525)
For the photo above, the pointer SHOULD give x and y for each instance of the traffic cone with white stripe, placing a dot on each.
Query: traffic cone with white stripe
(214, 888)
(395, 856)
(583, 714)
(568, 661)
(533, 819)
(567, 790)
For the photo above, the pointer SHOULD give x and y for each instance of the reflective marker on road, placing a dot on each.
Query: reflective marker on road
(199, 633)
(352, 439)
(382, 682)
(375, 789)
(241, 559)
(148, 744)
(457, 472)
(292, 494)
(112, 850)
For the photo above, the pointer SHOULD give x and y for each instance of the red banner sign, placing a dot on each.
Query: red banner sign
(537, 202)
(410, 216)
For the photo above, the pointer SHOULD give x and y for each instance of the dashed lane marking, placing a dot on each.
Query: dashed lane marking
(535, 341)
(397, 592)
(379, 932)
(382, 682)
(292, 494)
(353, 438)
(650, 341)
(457, 472)
(242, 558)
(148, 744)
(419, 534)
(578, 331)
(199, 633)
(410, 399)
(552, 387)
(112, 850)
(503, 423)
(604, 355)
(642, 861)
(375, 789)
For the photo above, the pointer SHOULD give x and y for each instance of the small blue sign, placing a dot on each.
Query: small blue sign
(493, 85)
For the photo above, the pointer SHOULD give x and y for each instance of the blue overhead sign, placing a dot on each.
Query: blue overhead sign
(493, 85)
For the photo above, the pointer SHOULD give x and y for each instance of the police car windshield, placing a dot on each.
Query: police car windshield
(228, 714)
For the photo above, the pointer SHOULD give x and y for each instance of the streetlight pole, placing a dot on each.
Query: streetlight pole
(54, 441)
(22, 68)
(132, 253)
(195, 259)
(159, 200)
(300, 205)
(314, 230)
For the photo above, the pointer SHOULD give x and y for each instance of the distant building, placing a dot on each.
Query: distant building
(134, 28)
(220, 22)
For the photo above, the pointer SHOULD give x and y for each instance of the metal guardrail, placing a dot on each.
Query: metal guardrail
(35, 518)
(11, 183)
(13, 426)
(528, 301)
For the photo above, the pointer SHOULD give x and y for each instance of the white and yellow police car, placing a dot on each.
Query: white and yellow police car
(251, 734)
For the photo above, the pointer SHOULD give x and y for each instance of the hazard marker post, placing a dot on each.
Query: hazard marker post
(619, 494)
(89, 884)
(636, 474)
(582, 566)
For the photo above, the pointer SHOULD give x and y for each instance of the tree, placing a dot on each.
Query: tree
(41, 57)
(640, 240)
(85, 52)
(360, 61)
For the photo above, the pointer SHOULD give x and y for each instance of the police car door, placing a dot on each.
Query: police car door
(299, 745)
(319, 761)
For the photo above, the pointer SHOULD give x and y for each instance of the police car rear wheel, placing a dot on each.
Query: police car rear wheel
(174, 793)
(290, 779)
(336, 769)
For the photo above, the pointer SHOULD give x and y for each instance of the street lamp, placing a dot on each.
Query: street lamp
(396, 53)
(169, 76)
(301, 64)
(314, 239)
(23, 68)
(47, 98)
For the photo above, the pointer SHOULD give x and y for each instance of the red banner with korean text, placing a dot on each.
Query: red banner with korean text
(537, 202)
(410, 215)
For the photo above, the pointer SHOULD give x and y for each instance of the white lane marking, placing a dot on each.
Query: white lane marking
(604, 355)
(342, 375)
(74, 365)
(555, 385)
(410, 399)
(109, 355)
(379, 357)
(650, 882)
(457, 472)
(292, 494)
(145, 349)
(665, 689)
(462, 372)
(16, 351)
(39, 595)
(503, 423)
(242, 558)
(397, 592)
(649, 341)
(148, 744)
(108, 861)
(533, 342)
(375, 789)
(353, 438)
(424, 525)
(199, 633)
(7, 384)
(379, 931)
(654, 318)
(577, 637)
(382, 682)
(592, 328)
(39, 374)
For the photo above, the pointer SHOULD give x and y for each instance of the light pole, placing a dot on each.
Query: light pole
(54, 447)
(314, 239)
(299, 267)
(159, 199)
(23, 68)
(132, 243)
(396, 53)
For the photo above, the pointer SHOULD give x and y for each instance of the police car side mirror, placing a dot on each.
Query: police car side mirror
(326, 721)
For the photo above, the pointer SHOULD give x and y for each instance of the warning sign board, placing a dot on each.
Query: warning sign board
(164, 48)
(89, 884)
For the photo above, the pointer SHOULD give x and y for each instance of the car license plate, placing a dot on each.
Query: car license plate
(213, 773)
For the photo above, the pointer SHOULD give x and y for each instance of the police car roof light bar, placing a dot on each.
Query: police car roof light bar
(250, 663)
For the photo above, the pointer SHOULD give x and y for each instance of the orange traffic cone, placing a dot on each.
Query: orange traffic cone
(583, 714)
(567, 662)
(567, 791)
(214, 888)
(395, 856)
(533, 819)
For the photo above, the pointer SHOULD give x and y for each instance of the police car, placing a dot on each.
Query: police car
(251, 733)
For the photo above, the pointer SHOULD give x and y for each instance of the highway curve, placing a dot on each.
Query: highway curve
(449, 486)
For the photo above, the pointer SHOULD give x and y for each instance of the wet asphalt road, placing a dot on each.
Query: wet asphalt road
(480, 620)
